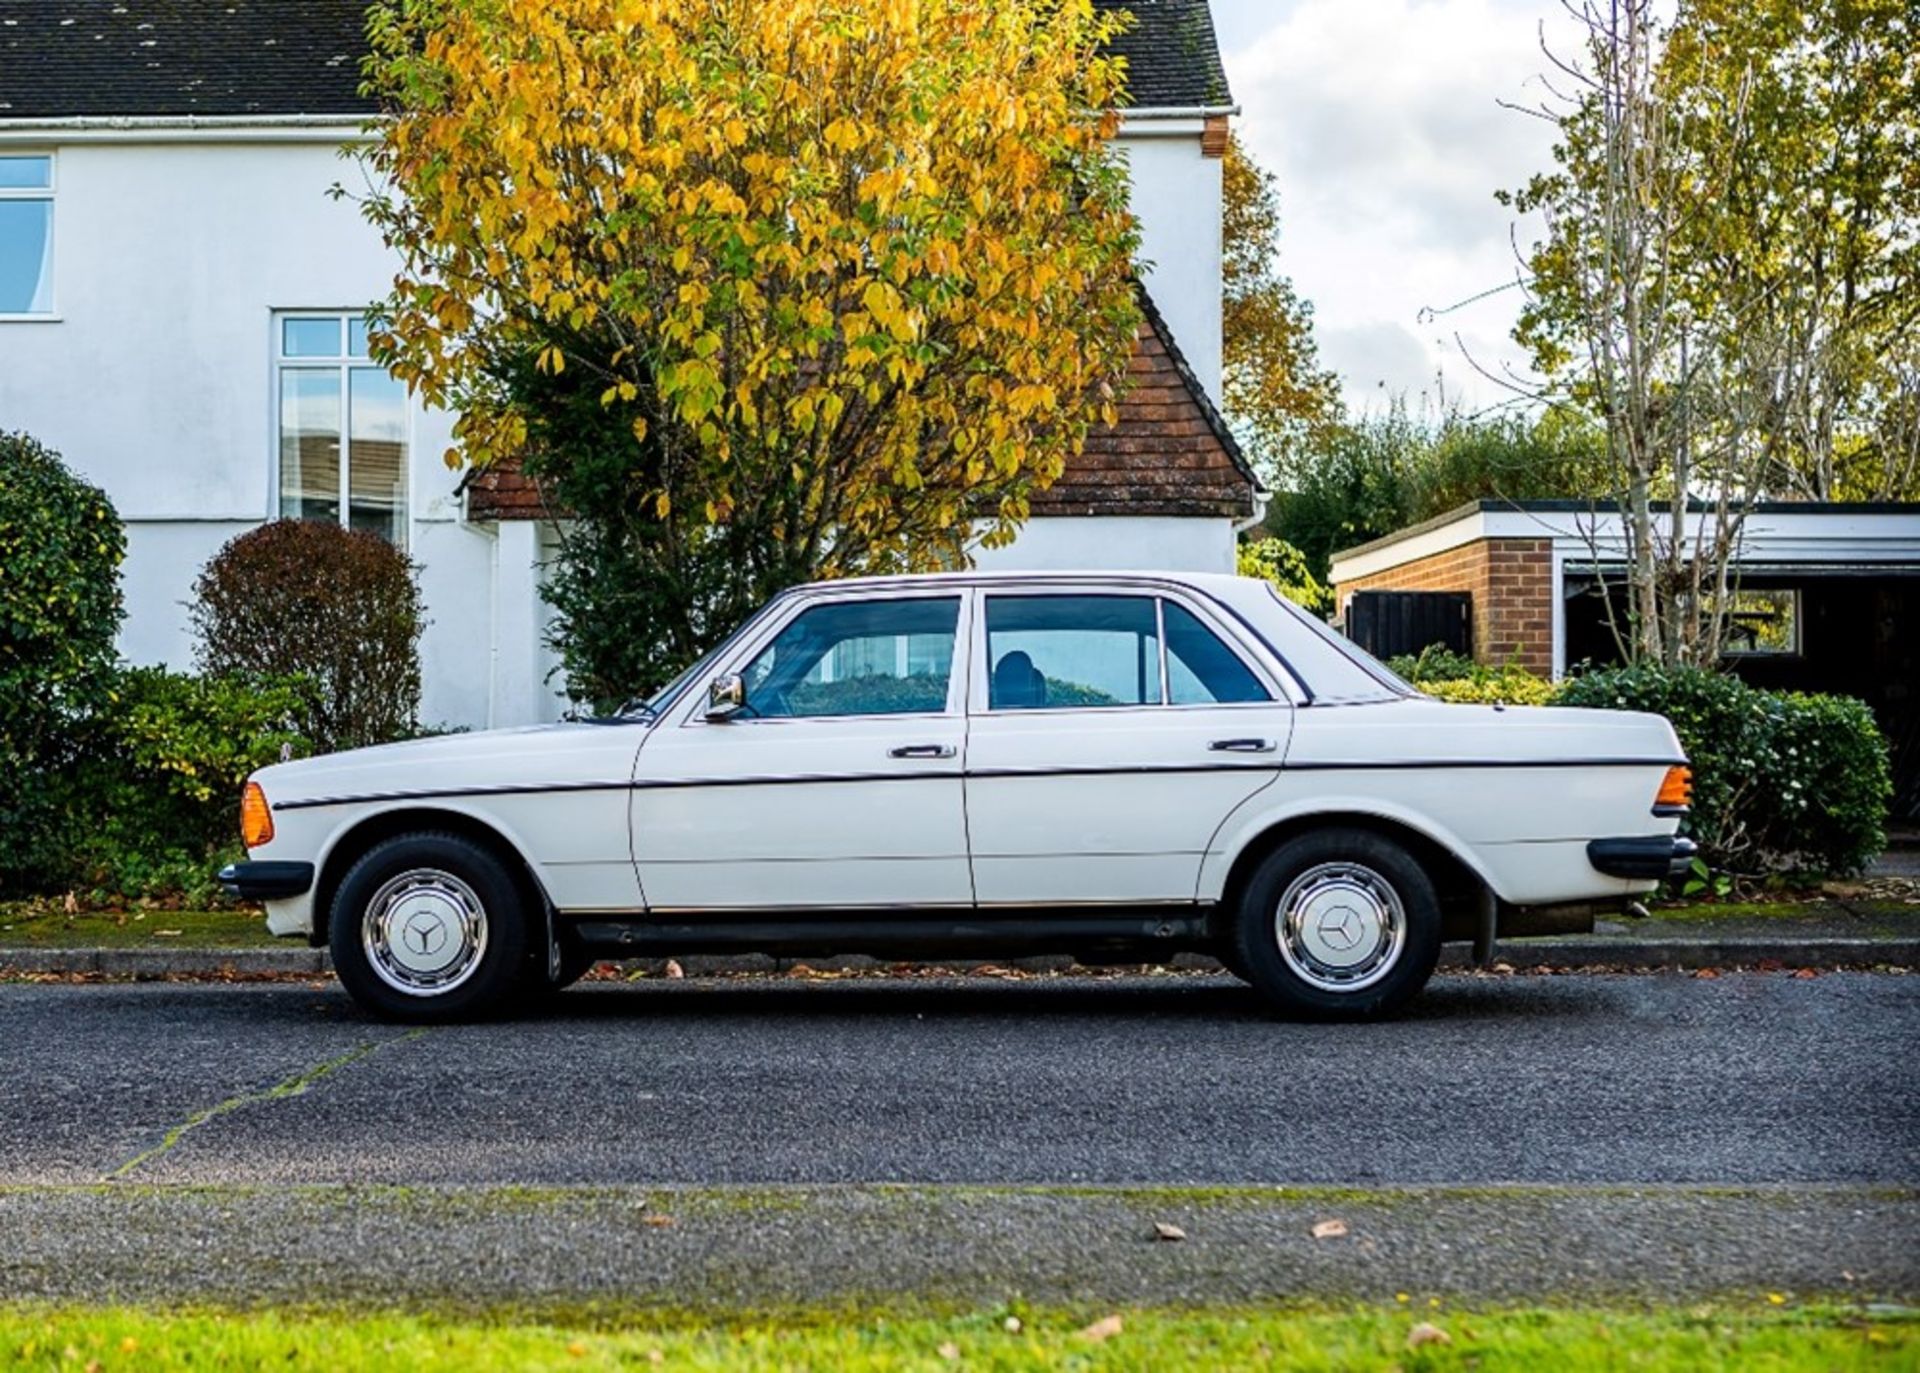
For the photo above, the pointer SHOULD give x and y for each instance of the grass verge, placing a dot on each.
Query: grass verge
(39, 927)
(1405, 1336)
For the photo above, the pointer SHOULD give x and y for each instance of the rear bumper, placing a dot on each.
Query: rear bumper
(267, 881)
(1645, 859)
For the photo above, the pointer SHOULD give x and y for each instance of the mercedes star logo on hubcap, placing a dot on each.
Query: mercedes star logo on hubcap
(1340, 928)
(426, 933)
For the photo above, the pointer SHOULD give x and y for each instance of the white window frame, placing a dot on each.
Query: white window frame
(343, 364)
(48, 193)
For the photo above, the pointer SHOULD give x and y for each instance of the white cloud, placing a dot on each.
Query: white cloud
(1383, 122)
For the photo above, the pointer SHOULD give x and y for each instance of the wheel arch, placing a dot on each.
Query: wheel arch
(359, 836)
(1458, 879)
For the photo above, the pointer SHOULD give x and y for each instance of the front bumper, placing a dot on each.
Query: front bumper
(267, 881)
(1651, 858)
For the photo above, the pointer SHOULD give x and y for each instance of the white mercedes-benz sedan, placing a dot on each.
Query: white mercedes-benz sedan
(1117, 766)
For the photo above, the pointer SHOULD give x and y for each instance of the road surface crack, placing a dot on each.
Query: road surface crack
(287, 1087)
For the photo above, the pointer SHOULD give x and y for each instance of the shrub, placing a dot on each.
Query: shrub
(154, 802)
(1434, 664)
(61, 545)
(1280, 564)
(1782, 780)
(1504, 686)
(334, 607)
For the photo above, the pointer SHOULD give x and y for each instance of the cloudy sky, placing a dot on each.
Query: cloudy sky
(1382, 120)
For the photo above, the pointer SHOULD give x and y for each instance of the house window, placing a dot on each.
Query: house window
(343, 426)
(1763, 624)
(26, 234)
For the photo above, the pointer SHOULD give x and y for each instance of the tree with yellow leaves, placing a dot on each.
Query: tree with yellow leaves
(762, 292)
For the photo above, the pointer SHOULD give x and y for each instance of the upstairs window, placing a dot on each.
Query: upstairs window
(343, 426)
(26, 235)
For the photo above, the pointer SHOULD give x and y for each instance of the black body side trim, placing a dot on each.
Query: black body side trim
(1652, 857)
(267, 881)
(952, 774)
(1137, 932)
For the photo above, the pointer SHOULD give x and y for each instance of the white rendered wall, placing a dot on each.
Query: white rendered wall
(1133, 543)
(154, 380)
(1176, 194)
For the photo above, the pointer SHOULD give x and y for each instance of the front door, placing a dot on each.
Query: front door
(837, 787)
(1111, 735)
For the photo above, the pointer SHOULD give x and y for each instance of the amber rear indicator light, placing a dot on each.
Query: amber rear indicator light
(256, 821)
(1676, 791)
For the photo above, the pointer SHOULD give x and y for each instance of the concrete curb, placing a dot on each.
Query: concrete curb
(1636, 955)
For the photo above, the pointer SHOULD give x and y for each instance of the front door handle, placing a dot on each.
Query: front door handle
(922, 751)
(1243, 746)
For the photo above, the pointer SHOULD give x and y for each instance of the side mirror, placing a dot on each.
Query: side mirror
(726, 697)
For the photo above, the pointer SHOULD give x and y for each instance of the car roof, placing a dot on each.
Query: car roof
(1215, 581)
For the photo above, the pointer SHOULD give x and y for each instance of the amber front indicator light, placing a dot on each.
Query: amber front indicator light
(1676, 791)
(256, 821)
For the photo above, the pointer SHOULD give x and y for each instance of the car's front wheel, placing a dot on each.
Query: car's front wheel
(1338, 924)
(428, 927)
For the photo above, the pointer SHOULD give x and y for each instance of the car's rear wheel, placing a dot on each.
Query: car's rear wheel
(428, 927)
(1338, 923)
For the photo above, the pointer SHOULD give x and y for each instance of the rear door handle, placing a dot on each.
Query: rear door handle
(1242, 746)
(922, 751)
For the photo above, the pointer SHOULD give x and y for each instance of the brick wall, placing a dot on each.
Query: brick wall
(1511, 581)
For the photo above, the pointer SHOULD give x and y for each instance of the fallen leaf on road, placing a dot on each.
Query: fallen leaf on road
(1776, 1299)
(1330, 1230)
(1707, 974)
(70, 904)
(657, 1222)
(949, 1351)
(1163, 1231)
(1805, 973)
(166, 934)
(673, 969)
(1427, 1333)
(1103, 1329)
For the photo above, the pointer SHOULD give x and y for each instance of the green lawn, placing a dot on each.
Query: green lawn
(1703, 1338)
(40, 927)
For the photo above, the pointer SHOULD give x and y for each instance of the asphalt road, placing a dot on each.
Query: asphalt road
(1745, 1079)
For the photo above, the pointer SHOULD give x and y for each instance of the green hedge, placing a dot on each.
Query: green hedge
(1781, 780)
(154, 803)
(60, 549)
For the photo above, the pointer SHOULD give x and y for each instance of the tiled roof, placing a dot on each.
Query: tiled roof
(1169, 454)
(63, 58)
(181, 57)
(1173, 58)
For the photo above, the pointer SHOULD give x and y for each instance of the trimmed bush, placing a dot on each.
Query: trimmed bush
(334, 607)
(1434, 664)
(154, 805)
(1505, 687)
(61, 545)
(1782, 780)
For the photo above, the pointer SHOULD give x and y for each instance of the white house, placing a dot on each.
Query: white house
(180, 304)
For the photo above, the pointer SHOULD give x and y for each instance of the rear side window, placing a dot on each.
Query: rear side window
(1202, 670)
(1068, 652)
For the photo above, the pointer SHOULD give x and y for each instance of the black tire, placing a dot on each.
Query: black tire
(459, 893)
(537, 987)
(1346, 883)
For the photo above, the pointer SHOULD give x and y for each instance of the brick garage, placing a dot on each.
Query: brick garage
(1510, 581)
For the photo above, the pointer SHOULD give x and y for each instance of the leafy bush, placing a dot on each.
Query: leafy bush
(1781, 780)
(1434, 664)
(61, 545)
(336, 608)
(155, 800)
(1284, 567)
(1502, 686)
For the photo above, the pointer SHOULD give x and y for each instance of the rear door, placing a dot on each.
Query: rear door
(839, 786)
(1111, 733)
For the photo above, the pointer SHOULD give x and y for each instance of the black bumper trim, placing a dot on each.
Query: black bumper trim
(267, 881)
(1649, 859)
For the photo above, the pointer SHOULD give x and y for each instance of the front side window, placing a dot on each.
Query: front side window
(343, 426)
(1063, 652)
(26, 234)
(888, 657)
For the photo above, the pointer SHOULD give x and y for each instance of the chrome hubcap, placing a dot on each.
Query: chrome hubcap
(1340, 926)
(424, 932)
